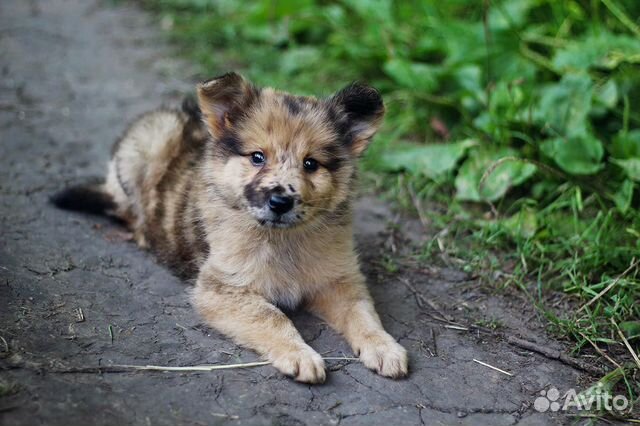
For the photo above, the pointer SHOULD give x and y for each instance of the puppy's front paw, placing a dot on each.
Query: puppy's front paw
(384, 355)
(303, 364)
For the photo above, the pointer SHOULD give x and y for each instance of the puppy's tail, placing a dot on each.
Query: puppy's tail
(89, 198)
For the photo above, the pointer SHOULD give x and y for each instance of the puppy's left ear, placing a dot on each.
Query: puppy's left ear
(362, 111)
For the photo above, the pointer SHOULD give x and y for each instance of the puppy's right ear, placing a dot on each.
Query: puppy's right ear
(224, 100)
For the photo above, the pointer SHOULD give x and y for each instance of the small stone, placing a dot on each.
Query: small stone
(461, 414)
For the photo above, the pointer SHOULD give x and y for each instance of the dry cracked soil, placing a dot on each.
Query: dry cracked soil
(74, 296)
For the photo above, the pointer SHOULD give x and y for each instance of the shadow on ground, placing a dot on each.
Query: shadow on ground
(71, 294)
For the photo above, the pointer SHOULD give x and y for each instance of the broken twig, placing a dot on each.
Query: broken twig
(456, 327)
(492, 367)
(124, 368)
(554, 354)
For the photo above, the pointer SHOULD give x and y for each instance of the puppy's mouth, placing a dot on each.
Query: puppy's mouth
(270, 219)
(277, 223)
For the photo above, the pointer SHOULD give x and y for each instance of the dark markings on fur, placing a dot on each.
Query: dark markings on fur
(341, 125)
(254, 196)
(116, 146)
(194, 138)
(336, 156)
(154, 224)
(172, 245)
(201, 245)
(194, 132)
(164, 188)
(293, 104)
(184, 247)
(252, 191)
(353, 179)
(359, 101)
(341, 215)
(183, 251)
(227, 145)
(333, 165)
(88, 198)
(191, 108)
(355, 103)
(292, 189)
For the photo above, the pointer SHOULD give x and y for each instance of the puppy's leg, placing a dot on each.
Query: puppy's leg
(347, 306)
(254, 322)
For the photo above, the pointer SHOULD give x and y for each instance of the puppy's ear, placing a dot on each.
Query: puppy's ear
(224, 100)
(362, 111)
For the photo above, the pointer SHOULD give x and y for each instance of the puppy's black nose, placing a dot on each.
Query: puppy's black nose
(280, 204)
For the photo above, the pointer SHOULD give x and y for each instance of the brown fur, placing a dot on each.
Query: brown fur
(185, 183)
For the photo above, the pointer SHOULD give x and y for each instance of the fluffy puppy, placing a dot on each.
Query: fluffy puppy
(249, 191)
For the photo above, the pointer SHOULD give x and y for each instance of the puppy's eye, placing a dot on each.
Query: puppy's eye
(310, 164)
(257, 158)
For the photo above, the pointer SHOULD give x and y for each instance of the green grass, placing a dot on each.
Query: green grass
(516, 122)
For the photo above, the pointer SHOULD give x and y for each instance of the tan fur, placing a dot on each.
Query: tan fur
(189, 191)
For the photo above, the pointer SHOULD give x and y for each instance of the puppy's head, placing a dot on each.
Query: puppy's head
(285, 160)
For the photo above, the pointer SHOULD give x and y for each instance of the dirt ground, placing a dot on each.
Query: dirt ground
(73, 295)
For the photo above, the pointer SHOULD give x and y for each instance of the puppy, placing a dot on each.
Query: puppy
(250, 193)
